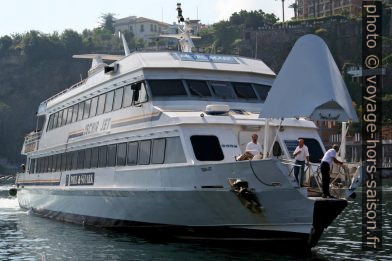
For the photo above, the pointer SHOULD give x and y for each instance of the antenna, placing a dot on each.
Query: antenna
(179, 13)
(184, 37)
(126, 48)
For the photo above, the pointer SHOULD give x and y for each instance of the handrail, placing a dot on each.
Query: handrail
(65, 90)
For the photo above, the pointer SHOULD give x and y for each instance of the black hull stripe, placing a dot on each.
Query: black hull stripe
(38, 184)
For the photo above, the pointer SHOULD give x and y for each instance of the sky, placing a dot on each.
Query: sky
(19, 16)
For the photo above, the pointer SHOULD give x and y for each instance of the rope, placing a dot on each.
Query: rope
(254, 173)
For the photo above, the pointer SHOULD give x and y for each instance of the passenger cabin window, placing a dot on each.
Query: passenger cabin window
(161, 88)
(112, 151)
(207, 148)
(128, 94)
(87, 158)
(121, 154)
(101, 104)
(158, 151)
(94, 157)
(174, 153)
(223, 90)
(262, 90)
(109, 101)
(81, 110)
(93, 106)
(102, 156)
(86, 111)
(118, 96)
(198, 88)
(244, 90)
(75, 112)
(132, 153)
(144, 152)
(69, 115)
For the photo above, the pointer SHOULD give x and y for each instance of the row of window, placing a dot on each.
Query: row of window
(136, 93)
(155, 151)
(213, 89)
(120, 98)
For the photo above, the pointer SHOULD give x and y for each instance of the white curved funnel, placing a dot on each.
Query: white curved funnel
(309, 85)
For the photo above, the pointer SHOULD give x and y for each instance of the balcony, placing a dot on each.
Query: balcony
(31, 142)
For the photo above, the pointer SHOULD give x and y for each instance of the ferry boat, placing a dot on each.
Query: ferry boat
(151, 141)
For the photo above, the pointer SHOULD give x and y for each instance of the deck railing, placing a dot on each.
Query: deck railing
(31, 142)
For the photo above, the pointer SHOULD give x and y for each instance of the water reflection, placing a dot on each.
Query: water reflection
(28, 237)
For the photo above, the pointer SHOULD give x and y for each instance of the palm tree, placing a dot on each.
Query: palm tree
(295, 7)
(282, 9)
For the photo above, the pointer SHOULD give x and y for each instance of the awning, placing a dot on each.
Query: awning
(309, 85)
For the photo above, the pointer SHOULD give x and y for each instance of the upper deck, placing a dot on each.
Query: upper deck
(163, 65)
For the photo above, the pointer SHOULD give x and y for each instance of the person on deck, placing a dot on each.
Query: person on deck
(325, 166)
(252, 149)
(301, 153)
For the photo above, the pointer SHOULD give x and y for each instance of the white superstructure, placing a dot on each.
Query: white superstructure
(151, 141)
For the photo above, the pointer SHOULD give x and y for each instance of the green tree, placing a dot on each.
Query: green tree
(107, 21)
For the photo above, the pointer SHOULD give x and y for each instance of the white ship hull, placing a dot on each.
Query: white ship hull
(205, 210)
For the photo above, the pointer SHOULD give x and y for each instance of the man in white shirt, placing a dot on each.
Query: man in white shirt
(301, 153)
(326, 164)
(252, 149)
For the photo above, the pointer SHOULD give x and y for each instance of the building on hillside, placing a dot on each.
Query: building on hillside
(141, 27)
(321, 8)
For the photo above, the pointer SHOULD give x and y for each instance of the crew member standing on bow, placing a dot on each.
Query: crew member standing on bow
(301, 154)
(326, 164)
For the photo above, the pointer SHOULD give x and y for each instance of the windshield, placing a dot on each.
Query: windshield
(209, 90)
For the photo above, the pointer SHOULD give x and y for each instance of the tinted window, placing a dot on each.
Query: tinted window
(87, 158)
(144, 152)
(198, 88)
(60, 119)
(93, 106)
(102, 156)
(118, 95)
(128, 93)
(262, 90)
(206, 148)
(38, 168)
(54, 162)
(132, 153)
(50, 123)
(74, 160)
(58, 162)
(101, 104)
(65, 113)
(121, 154)
(112, 155)
(69, 115)
(63, 161)
(158, 151)
(86, 112)
(174, 152)
(167, 88)
(49, 169)
(81, 110)
(244, 90)
(109, 101)
(55, 118)
(69, 160)
(223, 90)
(75, 112)
(80, 159)
(94, 157)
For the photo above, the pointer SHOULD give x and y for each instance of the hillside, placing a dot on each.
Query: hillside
(35, 66)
